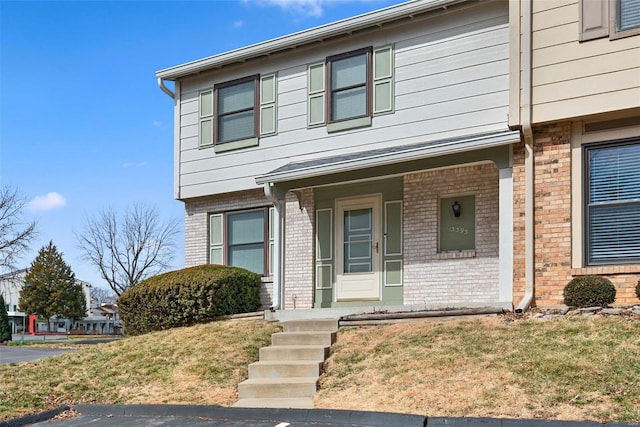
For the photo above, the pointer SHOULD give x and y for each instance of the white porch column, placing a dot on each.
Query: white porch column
(505, 251)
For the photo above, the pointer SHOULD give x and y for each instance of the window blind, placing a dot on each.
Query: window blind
(628, 14)
(614, 203)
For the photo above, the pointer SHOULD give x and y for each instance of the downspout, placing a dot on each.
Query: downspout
(165, 89)
(278, 281)
(529, 164)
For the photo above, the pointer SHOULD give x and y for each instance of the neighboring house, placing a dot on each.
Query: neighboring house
(10, 286)
(576, 97)
(378, 161)
(103, 319)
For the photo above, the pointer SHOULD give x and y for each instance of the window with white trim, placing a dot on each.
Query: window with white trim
(346, 90)
(234, 114)
(242, 239)
(612, 202)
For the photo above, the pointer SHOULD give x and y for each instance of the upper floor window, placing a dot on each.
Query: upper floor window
(350, 80)
(609, 18)
(613, 202)
(236, 110)
(235, 113)
(346, 90)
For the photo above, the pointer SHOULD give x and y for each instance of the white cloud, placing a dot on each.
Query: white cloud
(157, 123)
(134, 164)
(237, 24)
(304, 7)
(47, 202)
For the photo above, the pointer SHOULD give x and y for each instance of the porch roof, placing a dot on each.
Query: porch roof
(386, 156)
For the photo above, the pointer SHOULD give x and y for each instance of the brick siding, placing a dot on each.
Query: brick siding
(552, 219)
(299, 257)
(432, 278)
(196, 228)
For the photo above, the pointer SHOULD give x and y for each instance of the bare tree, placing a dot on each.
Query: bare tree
(129, 248)
(101, 295)
(15, 235)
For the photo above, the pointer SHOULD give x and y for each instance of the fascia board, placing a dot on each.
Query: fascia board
(301, 38)
(451, 147)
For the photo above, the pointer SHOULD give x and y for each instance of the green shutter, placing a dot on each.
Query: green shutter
(316, 95)
(205, 118)
(393, 273)
(393, 228)
(323, 277)
(216, 239)
(324, 234)
(383, 80)
(268, 108)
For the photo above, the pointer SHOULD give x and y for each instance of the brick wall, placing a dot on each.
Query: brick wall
(552, 212)
(456, 279)
(552, 229)
(518, 223)
(299, 257)
(196, 227)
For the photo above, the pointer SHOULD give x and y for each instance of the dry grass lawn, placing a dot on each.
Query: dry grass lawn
(567, 369)
(578, 369)
(201, 364)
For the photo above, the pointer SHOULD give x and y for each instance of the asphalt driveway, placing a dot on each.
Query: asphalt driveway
(210, 416)
(15, 354)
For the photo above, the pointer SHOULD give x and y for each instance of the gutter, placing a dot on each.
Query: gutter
(529, 163)
(278, 281)
(165, 89)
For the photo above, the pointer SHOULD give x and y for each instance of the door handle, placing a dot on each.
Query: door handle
(377, 247)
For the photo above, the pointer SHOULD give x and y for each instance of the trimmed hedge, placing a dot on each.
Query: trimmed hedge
(589, 291)
(188, 296)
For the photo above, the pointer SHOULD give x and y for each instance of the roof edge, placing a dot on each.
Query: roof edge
(304, 37)
(411, 152)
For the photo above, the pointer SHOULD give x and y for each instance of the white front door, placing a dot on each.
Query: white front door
(358, 248)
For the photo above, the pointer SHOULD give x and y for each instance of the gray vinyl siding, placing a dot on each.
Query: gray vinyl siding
(451, 79)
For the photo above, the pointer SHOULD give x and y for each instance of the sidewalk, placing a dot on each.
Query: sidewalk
(207, 416)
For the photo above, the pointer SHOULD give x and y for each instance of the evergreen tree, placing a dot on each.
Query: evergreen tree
(5, 327)
(50, 287)
(70, 300)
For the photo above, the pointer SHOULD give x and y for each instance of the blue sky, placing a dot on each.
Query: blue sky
(83, 124)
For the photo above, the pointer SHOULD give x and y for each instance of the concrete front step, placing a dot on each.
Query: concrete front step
(294, 352)
(294, 403)
(285, 369)
(303, 338)
(317, 325)
(269, 388)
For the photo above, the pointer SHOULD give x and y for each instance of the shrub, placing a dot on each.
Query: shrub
(188, 296)
(589, 291)
(638, 289)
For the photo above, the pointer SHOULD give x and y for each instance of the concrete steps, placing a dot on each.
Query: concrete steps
(287, 373)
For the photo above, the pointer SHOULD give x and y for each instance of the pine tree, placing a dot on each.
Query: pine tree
(5, 327)
(50, 287)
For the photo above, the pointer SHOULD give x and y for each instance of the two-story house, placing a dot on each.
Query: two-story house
(575, 67)
(11, 285)
(363, 163)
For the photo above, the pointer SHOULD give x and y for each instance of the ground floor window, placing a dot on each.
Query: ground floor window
(613, 202)
(242, 239)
